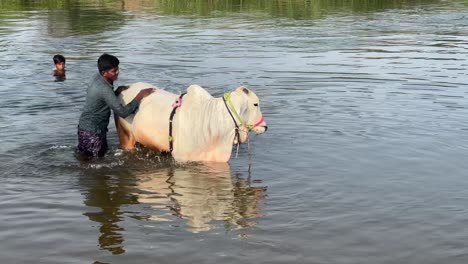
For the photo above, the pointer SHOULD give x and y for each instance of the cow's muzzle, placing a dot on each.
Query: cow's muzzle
(260, 129)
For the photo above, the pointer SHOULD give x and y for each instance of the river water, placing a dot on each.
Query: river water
(364, 160)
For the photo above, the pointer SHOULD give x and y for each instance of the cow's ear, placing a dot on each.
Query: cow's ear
(245, 90)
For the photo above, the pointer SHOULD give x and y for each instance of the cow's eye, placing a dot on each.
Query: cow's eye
(255, 104)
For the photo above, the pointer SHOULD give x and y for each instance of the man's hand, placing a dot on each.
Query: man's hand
(143, 93)
(121, 89)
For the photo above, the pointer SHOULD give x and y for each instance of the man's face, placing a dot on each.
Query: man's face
(60, 66)
(111, 74)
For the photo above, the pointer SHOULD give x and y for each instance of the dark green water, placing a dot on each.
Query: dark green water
(364, 160)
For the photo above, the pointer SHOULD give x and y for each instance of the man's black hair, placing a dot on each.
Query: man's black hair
(58, 59)
(107, 62)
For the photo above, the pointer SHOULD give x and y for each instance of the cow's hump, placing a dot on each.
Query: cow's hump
(198, 92)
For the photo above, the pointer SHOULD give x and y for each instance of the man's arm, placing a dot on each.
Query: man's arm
(123, 111)
(121, 89)
(114, 103)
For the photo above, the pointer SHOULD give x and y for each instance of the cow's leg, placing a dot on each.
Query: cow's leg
(126, 139)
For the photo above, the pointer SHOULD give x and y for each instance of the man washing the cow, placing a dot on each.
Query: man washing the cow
(100, 99)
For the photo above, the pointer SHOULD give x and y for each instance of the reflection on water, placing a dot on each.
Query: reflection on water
(66, 18)
(202, 195)
(108, 193)
(93, 16)
(59, 76)
(205, 196)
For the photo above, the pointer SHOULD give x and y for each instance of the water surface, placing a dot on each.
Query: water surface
(364, 160)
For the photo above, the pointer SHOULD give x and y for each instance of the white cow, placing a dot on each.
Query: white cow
(203, 127)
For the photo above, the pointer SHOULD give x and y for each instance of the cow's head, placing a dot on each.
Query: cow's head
(249, 110)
